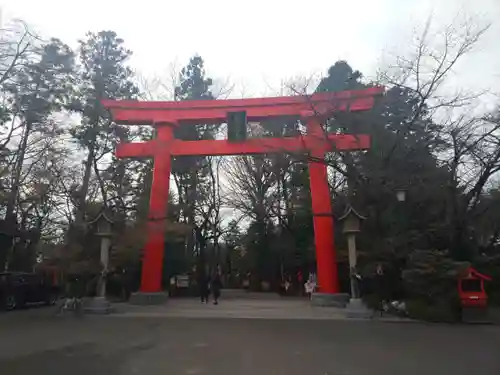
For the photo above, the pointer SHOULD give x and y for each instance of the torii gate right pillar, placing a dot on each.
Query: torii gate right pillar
(328, 293)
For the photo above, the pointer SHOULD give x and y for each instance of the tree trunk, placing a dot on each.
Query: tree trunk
(82, 198)
(11, 200)
(190, 205)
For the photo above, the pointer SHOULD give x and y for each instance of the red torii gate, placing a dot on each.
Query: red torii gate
(165, 116)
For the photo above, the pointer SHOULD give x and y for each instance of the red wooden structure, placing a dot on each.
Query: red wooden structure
(165, 116)
(471, 289)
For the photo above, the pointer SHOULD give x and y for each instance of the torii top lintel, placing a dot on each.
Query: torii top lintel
(215, 111)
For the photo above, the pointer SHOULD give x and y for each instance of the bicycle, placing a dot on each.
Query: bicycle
(71, 304)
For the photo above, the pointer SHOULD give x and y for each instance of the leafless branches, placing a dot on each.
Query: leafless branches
(17, 44)
(160, 87)
(428, 68)
(248, 187)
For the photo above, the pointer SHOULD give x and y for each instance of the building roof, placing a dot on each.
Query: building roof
(473, 273)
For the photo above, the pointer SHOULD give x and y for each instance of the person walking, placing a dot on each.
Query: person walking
(216, 286)
(204, 286)
(382, 288)
(300, 282)
(310, 285)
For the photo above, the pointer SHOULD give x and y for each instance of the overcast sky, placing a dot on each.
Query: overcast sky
(257, 44)
(260, 42)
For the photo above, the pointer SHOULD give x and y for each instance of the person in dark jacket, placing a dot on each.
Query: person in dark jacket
(204, 286)
(216, 286)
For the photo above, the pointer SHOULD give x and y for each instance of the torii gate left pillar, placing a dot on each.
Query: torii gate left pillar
(165, 116)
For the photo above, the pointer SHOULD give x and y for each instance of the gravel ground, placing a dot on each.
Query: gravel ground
(35, 342)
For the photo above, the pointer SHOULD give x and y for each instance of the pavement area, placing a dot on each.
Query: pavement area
(268, 338)
(247, 308)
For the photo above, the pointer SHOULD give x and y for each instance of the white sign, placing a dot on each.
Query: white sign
(182, 281)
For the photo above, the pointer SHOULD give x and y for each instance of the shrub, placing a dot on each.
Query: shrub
(430, 282)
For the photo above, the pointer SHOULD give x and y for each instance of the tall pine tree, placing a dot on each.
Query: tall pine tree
(191, 172)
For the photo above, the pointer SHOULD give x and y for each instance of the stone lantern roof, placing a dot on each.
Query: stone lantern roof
(351, 219)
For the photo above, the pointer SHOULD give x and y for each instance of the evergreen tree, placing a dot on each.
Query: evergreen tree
(103, 74)
(39, 88)
(191, 172)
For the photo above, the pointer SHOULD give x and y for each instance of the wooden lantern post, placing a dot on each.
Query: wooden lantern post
(351, 227)
(104, 225)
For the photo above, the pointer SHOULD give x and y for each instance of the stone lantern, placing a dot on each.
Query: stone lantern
(351, 226)
(351, 220)
(104, 225)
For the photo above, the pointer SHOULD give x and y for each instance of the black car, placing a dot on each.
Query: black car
(19, 289)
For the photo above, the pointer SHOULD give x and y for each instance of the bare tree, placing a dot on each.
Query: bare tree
(160, 87)
(18, 47)
(471, 151)
(209, 207)
(249, 184)
(432, 62)
(18, 44)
